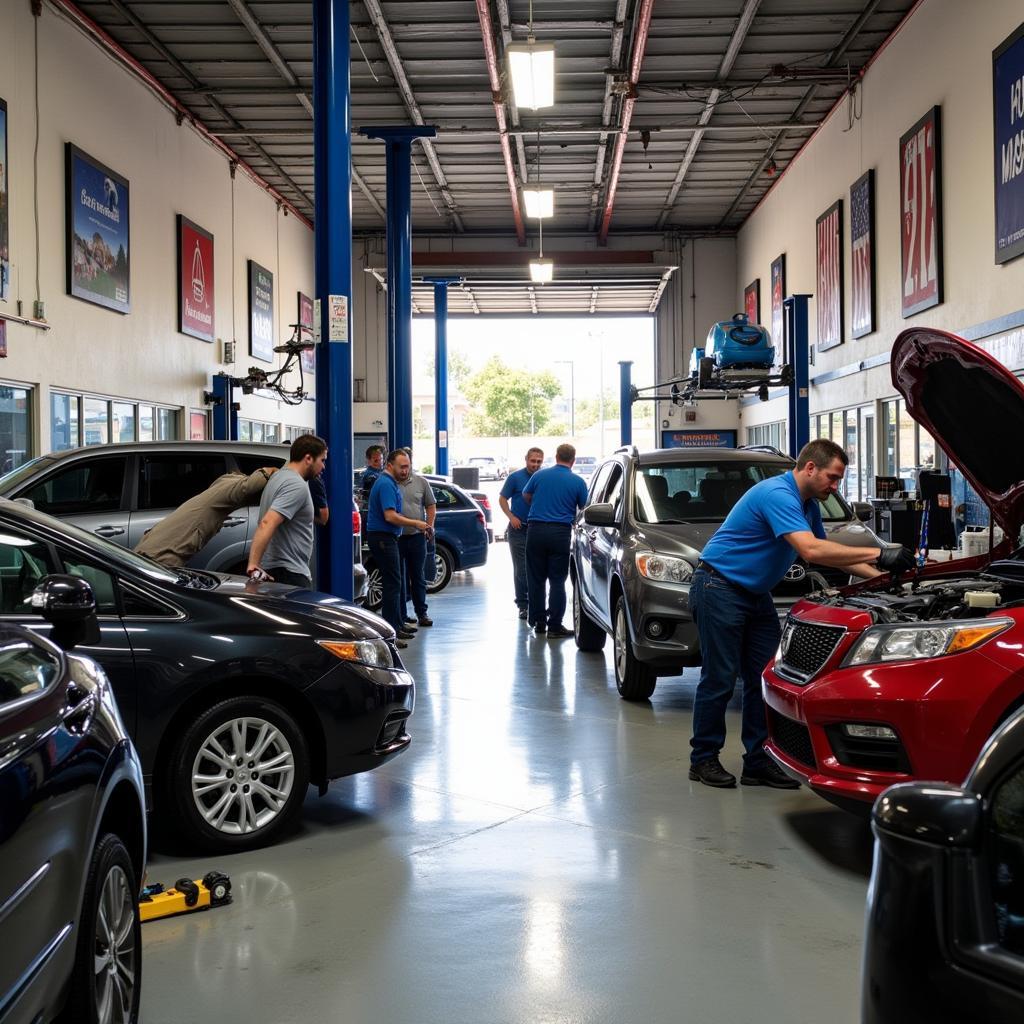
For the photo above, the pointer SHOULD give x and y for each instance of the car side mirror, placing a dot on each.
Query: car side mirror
(599, 514)
(69, 605)
(935, 813)
(864, 511)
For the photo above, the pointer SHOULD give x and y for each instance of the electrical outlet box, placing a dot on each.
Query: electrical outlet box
(229, 352)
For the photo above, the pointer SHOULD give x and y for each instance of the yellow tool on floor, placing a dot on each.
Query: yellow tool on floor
(212, 890)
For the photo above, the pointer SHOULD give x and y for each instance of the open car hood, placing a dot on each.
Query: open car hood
(974, 408)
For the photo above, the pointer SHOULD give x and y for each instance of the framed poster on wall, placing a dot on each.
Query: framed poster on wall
(1008, 109)
(862, 255)
(921, 215)
(829, 277)
(778, 283)
(5, 206)
(261, 312)
(97, 214)
(752, 301)
(308, 355)
(195, 280)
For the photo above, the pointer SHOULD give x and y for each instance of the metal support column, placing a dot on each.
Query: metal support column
(225, 415)
(798, 352)
(332, 158)
(625, 401)
(398, 161)
(441, 370)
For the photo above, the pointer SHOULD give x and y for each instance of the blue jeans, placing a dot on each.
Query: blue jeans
(547, 567)
(517, 545)
(739, 632)
(413, 550)
(384, 548)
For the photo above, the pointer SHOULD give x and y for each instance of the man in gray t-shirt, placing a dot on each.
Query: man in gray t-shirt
(418, 502)
(283, 543)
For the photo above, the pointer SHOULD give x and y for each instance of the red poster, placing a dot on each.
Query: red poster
(752, 301)
(829, 264)
(197, 426)
(308, 355)
(195, 280)
(921, 215)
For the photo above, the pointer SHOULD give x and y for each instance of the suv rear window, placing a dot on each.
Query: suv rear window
(695, 491)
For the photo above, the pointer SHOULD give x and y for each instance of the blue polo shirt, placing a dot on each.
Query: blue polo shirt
(748, 548)
(512, 492)
(556, 493)
(385, 494)
(370, 475)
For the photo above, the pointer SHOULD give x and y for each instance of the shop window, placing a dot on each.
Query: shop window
(167, 424)
(890, 416)
(851, 444)
(198, 425)
(64, 422)
(123, 421)
(96, 421)
(145, 423)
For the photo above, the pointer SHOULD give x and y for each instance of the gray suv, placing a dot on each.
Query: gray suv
(637, 542)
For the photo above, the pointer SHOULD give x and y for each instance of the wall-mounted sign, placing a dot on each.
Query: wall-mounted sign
(308, 356)
(829, 273)
(5, 206)
(337, 318)
(752, 301)
(778, 274)
(921, 215)
(698, 439)
(1008, 107)
(195, 280)
(96, 222)
(261, 312)
(862, 254)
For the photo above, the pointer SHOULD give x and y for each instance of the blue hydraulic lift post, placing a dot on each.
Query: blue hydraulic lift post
(625, 402)
(441, 369)
(332, 160)
(398, 141)
(796, 327)
(225, 415)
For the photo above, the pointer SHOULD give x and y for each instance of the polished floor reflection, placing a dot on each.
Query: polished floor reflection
(538, 855)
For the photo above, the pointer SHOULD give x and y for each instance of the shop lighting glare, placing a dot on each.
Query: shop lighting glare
(542, 271)
(539, 202)
(532, 68)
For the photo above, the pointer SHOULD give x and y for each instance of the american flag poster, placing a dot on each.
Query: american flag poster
(862, 252)
(829, 292)
(778, 279)
(921, 215)
(752, 301)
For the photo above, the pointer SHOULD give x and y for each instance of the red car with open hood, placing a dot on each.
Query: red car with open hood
(888, 681)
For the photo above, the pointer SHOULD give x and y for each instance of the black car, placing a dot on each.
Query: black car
(237, 695)
(945, 923)
(72, 824)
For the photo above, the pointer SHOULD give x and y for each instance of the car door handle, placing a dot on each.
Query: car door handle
(108, 531)
(235, 521)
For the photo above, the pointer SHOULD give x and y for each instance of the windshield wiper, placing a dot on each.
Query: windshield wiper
(671, 522)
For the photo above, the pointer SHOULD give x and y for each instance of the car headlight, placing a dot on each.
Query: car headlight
(923, 640)
(366, 652)
(664, 568)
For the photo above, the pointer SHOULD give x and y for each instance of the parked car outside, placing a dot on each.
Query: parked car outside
(944, 932)
(490, 467)
(236, 694)
(585, 466)
(637, 542)
(119, 491)
(894, 680)
(72, 824)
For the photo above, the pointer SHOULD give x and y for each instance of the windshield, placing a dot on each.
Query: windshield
(696, 492)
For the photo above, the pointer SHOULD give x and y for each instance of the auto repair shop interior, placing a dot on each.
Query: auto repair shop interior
(228, 224)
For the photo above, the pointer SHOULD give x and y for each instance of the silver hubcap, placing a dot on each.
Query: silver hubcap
(621, 644)
(440, 569)
(114, 955)
(243, 775)
(374, 588)
(576, 611)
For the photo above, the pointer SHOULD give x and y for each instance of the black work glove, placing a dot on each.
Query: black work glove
(896, 559)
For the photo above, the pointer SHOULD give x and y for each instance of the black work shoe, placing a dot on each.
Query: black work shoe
(559, 631)
(768, 775)
(523, 613)
(424, 621)
(401, 644)
(711, 773)
(405, 634)
(540, 628)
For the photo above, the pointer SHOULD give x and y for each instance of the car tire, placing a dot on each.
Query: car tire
(108, 954)
(374, 588)
(444, 567)
(212, 807)
(634, 679)
(589, 635)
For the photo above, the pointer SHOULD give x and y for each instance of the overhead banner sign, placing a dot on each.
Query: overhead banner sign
(195, 280)
(1008, 107)
(698, 439)
(261, 312)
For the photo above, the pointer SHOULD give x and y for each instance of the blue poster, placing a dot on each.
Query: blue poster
(98, 267)
(698, 439)
(1008, 107)
(261, 312)
(5, 254)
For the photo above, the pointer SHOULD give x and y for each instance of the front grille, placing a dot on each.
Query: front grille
(792, 738)
(392, 729)
(869, 754)
(806, 648)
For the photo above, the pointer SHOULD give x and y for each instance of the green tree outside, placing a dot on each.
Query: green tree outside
(507, 400)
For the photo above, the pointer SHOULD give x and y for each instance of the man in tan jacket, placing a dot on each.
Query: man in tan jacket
(187, 530)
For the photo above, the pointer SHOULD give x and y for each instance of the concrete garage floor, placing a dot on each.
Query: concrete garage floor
(538, 855)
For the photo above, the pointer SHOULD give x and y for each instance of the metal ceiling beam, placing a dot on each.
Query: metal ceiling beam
(833, 58)
(728, 60)
(639, 46)
(380, 25)
(614, 63)
(506, 37)
(662, 285)
(494, 76)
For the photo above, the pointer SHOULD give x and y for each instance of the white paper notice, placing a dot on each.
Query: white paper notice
(337, 311)
(442, 438)
(316, 322)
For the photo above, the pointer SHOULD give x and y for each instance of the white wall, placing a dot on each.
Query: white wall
(87, 99)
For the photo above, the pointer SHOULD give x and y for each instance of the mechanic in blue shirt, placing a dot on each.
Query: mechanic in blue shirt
(514, 505)
(384, 522)
(373, 469)
(775, 522)
(554, 495)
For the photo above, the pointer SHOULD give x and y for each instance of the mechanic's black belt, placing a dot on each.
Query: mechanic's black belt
(707, 567)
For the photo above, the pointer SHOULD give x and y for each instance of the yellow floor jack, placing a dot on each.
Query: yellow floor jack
(186, 895)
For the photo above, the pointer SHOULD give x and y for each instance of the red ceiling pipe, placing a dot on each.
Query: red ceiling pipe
(487, 30)
(108, 43)
(639, 46)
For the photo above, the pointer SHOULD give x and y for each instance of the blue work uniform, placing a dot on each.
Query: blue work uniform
(382, 539)
(512, 492)
(555, 495)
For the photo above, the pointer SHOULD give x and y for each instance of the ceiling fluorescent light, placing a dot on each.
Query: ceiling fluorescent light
(542, 271)
(539, 202)
(532, 67)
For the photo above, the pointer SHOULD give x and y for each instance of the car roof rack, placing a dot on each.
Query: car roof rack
(628, 449)
(770, 449)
